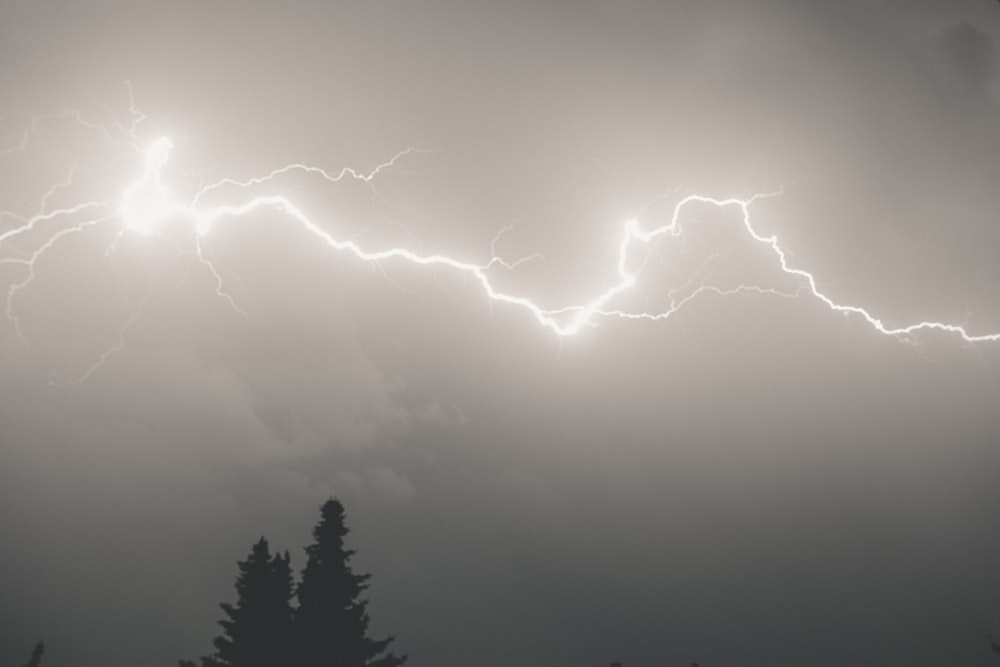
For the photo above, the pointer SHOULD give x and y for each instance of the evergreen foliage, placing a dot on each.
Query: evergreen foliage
(329, 628)
(257, 630)
(332, 619)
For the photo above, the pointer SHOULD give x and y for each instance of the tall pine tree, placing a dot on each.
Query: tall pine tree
(331, 622)
(257, 630)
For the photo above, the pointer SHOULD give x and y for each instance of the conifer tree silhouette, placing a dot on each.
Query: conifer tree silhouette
(36, 656)
(258, 629)
(331, 622)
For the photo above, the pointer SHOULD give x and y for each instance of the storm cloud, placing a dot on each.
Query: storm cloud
(753, 481)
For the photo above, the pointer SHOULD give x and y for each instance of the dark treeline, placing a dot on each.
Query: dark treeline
(320, 622)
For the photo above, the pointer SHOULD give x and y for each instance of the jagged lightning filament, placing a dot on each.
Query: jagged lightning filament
(147, 202)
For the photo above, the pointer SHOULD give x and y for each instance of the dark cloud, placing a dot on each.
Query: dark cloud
(754, 481)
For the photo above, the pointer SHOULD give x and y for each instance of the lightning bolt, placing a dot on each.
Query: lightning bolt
(147, 204)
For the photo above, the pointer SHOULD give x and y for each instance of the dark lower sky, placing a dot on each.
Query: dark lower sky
(753, 481)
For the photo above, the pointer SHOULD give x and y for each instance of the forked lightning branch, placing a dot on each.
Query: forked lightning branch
(147, 200)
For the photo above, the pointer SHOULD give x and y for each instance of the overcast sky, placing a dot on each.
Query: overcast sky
(755, 481)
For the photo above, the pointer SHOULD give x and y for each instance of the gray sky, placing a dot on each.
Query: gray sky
(753, 481)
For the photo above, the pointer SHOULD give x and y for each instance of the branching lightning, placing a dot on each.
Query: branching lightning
(148, 202)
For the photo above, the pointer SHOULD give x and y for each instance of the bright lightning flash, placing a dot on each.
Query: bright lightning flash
(147, 203)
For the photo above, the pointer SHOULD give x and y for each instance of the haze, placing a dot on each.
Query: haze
(754, 481)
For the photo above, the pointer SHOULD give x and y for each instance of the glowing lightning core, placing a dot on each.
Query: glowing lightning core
(147, 203)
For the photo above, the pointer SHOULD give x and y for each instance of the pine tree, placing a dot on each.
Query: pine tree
(331, 622)
(258, 629)
(36, 656)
